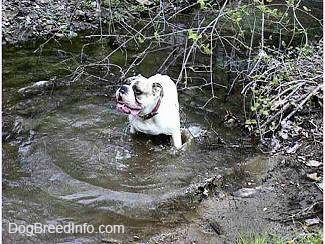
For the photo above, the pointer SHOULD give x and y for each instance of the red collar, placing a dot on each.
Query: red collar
(153, 112)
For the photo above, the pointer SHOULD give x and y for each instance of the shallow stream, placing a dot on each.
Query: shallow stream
(68, 156)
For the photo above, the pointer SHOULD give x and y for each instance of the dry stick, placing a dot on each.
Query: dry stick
(164, 48)
(181, 10)
(212, 23)
(211, 55)
(125, 25)
(245, 89)
(262, 30)
(249, 64)
(211, 72)
(239, 41)
(172, 62)
(64, 62)
(165, 61)
(261, 53)
(99, 10)
(40, 48)
(117, 35)
(161, 5)
(223, 45)
(183, 63)
(173, 33)
(302, 82)
(287, 97)
(185, 60)
(305, 32)
(293, 33)
(233, 82)
(97, 77)
(83, 48)
(229, 42)
(79, 74)
(107, 57)
(303, 102)
(111, 17)
(113, 65)
(312, 16)
(141, 56)
(200, 87)
(122, 45)
(287, 105)
(251, 42)
(136, 31)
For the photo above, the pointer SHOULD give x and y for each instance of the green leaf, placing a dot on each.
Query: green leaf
(193, 35)
(206, 49)
(202, 4)
(141, 39)
(156, 35)
(290, 2)
(265, 112)
(251, 122)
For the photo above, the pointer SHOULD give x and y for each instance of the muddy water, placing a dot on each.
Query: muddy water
(68, 157)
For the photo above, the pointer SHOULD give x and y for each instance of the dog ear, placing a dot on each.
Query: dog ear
(130, 79)
(157, 89)
(127, 81)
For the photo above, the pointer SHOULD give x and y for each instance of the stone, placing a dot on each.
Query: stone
(246, 192)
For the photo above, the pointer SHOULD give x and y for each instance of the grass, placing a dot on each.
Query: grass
(259, 239)
(311, 238)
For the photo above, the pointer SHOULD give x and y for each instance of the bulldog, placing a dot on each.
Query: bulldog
(152, 106)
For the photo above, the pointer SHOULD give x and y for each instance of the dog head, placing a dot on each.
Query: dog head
(138, 96)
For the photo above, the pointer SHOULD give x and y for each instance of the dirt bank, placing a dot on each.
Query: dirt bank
(286, 200)
(30, 20)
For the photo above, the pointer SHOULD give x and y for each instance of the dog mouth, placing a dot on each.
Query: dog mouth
(124, 108)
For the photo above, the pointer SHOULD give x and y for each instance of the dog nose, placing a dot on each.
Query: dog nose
(123, 89)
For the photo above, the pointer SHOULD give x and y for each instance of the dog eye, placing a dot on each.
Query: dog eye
(137, 91)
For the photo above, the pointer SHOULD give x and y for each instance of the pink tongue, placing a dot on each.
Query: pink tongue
(134, 112)
(124, 109)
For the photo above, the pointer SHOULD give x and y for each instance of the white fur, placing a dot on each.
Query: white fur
(167, 121)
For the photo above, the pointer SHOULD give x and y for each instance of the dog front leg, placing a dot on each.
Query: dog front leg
(132, 129)
(177, 139)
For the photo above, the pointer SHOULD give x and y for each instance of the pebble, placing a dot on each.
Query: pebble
(111, 241)
(313, 176)
(80, 12)
(36, 86)
(314, 163)
(246, 192)
(312, 221)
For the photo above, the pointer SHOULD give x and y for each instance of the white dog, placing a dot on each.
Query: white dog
(152, 105)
